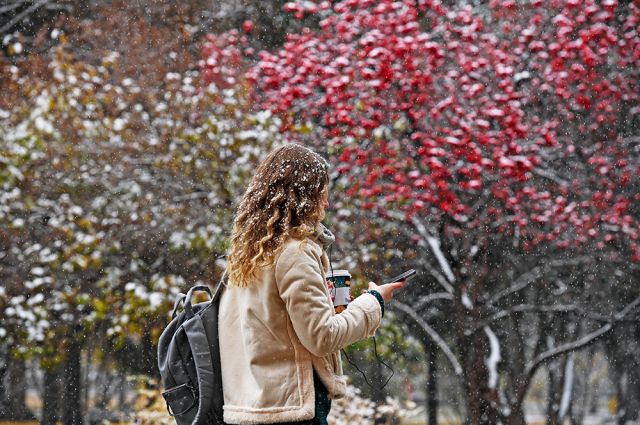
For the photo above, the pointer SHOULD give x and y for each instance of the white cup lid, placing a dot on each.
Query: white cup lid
(339, 273)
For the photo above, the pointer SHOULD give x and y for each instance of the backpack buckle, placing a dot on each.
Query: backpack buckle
(179, 396)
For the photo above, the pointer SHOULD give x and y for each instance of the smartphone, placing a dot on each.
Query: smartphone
(403, 276)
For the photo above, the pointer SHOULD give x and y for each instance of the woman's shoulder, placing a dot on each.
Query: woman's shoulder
(300, 246)
(298, 253)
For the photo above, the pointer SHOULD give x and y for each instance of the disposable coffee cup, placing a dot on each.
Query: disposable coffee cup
(341, 291)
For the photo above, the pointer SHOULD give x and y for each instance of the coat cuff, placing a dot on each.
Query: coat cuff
(371, 308)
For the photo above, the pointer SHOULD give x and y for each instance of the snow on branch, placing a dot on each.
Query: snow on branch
(23, 15)
(567, 388)
(627, 309)
(582, 342)
(551, 176)
(494, 358)
(434, 244)
(424, 300)
(565, 348)
(407, 310)
(440, 279)
(521, 308)
(10, 6)
(424, 243)
(191, 196)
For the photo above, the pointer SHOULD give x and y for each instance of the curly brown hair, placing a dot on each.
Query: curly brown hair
(284, 199)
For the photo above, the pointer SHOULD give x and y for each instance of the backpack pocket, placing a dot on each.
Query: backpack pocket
(180, 400)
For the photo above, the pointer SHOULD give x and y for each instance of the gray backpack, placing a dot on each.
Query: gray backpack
(189, 360)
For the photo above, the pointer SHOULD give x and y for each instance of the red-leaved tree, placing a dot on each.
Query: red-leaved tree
(503, 139)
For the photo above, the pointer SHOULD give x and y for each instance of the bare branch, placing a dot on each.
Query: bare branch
(627, 309)
(411, 313)
(551, 176)
(191, 196)
(23, 14)
(434, 244)
(566, 348)
(423, 243)
(423, 301)
(580, 343)
(439, 278)
(10, 7)
(520, 309)
(534, 274)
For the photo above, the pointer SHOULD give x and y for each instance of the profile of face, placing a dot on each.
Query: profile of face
(325, 202)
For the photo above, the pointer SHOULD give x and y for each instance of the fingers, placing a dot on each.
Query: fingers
(397, 285)
(387, 289)
(393, 287)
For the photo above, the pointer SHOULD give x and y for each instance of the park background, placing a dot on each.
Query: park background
(494, 146)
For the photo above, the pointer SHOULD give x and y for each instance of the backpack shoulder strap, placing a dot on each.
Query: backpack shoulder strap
(218, 292)
(220, 287)
(197, 337)
(214, 344)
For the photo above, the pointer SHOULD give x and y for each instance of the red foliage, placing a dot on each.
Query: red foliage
(225, 57)
(521, 116)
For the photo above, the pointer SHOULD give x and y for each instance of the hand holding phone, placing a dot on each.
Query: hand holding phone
(395, 283)
(402, 276)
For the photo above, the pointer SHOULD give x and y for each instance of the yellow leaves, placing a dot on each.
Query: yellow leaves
(84, 262)
(213, 127)
(101, 308)
(110, 59)
(84, 171)
(85, 224)
(401, 124)
(305, 128)
(14, 49)
(146, 218)
(55, 358)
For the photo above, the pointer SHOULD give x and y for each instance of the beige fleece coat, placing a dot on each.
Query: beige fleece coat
(273, 335)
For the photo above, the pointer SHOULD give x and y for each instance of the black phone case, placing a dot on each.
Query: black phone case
(402, 276)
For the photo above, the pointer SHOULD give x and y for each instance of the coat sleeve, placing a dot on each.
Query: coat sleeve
(302, 287)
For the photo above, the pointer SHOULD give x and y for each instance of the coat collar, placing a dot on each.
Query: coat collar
(324, 236)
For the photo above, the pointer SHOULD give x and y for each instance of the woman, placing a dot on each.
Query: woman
(280, 337)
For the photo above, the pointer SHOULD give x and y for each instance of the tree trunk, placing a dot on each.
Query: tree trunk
(567, 382)
(480, 409)
(51, 397)
(72, 409)
(515, 363)
(631, 401)
(432, 384)
(621, 411)
(16, 391)
(587, 390)
(516, 417)
(633, 392)
(552, 393)
(4, 369)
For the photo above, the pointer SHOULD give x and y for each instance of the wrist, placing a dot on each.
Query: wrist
(378, 296)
